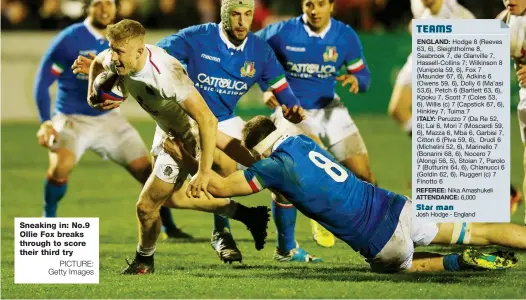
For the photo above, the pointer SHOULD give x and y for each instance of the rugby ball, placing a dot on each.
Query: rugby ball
(109, 86)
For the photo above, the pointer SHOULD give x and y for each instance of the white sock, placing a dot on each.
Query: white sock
(145, 251)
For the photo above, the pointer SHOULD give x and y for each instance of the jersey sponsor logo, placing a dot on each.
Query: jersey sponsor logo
(309, 70)
(330, 54)
(295, 49)
(209, 57)
(221, 85)
(248, 69)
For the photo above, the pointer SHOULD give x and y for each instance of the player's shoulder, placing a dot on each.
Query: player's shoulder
(189, 34)
(257, 44)
(70, 33)
(164, 60)
(199, 30)
(342, 28)
(157, 53)
(284, 26)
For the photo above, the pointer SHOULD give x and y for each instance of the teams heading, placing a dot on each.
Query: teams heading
(434, 28)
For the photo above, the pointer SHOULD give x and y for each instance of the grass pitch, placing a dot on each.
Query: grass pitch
(101, 189)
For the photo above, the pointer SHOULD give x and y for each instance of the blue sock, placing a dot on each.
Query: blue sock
(54, 190)
(451, 262)
(167, 220)
(220, 223)
(285, 220)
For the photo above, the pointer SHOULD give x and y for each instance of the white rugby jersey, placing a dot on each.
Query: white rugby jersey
(517, 25)
(159, 88)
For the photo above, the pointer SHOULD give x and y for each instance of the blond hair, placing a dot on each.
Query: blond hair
(125, 30)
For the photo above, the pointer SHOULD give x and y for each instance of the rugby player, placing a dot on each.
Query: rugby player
(75, 127)
(373, 221)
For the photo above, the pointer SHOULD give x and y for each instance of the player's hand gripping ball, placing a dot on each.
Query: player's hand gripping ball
(109, 89)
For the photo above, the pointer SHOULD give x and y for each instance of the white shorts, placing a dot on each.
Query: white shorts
(234, 128)
(405, 76)
(339, 133)
(109, 135)
(397, 254)
(521, 112)
(165, 167)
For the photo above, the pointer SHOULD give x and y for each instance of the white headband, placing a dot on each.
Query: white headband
(267, 142)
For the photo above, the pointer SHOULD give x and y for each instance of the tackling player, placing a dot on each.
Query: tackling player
(161, 86)
(224, 60)
(514, 16)
(76, 127)
(373, 221)
(313, 48)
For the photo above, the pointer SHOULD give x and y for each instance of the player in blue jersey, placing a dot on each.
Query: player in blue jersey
(313, 48)
(224, 60)
(75, 126)
(375, 222)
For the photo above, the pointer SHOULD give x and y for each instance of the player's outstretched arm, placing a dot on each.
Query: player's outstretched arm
(233, 185)
(196, 107)
(234, 149)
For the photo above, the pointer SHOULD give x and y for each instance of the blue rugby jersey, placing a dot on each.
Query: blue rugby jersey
(77, 39)
(222, 72)
(357, 212)
(312, 61)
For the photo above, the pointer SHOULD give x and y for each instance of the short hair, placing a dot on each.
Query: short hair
(125, 30)
(256, 130)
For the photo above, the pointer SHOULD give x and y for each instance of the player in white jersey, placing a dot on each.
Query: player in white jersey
(401, 98)
(161, 86)
(515, 17)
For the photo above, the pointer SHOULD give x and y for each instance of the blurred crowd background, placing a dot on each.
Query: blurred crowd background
(363, 15)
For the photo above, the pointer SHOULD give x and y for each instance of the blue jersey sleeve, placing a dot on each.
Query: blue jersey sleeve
(264, 174)
(270, 31)
(52, 64)
(267, 34)
(355, 61)
(177, 45)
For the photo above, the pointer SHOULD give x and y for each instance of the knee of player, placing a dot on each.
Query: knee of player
(61, 164)
(144, 210)
(145, 205)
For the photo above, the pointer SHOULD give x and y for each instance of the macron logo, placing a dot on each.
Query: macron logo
(206, 56)
(295, 49)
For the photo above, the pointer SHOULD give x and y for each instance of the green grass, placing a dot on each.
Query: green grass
(101, 189)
